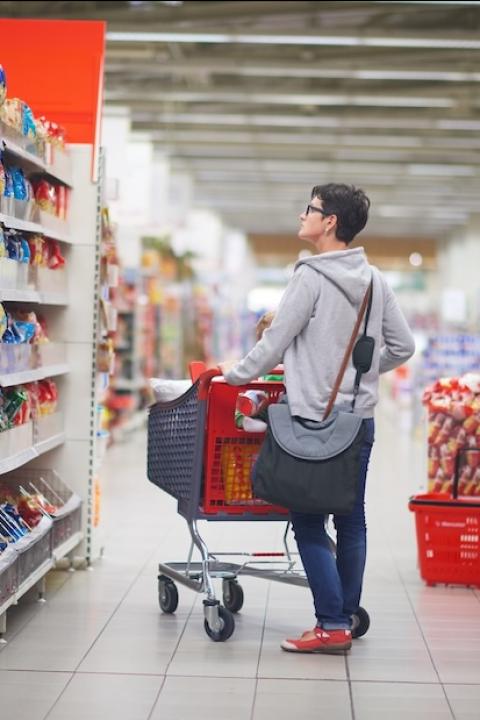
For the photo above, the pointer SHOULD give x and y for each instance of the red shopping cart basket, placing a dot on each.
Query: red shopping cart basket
(230, 453)
(448, 535)
(197, 455)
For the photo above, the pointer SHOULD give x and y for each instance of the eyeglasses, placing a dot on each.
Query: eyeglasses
(313, 208)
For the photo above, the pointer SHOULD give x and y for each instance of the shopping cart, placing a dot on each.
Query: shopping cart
(198, 456)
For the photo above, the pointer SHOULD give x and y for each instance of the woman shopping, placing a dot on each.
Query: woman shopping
(309, 334)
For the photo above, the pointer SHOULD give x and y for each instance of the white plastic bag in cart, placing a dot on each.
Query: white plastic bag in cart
(166, 390)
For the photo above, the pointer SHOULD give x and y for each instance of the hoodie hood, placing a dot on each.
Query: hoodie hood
(347, 269)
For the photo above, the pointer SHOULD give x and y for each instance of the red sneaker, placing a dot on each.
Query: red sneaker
(332, 642)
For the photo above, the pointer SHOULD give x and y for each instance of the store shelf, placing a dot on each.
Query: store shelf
(26, 376)
(32, 296)
(46, 298)
(17, 460)
(39, 573)
(34, 578)
(19, 296)
(49, 444)
(67, 546)
(32, 163)
(24, 456)
(56, 231)
(23, 443)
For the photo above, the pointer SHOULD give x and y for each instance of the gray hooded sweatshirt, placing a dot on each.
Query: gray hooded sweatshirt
(312, 327)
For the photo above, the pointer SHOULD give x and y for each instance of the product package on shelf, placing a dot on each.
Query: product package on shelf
(24, 343)
(41, 493)
(30, 538)
(37, 135)
(454, 434)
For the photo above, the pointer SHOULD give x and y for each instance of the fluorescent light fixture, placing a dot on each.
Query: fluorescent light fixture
(441, 170)
(457, 125)
(297, 121)
(431, 213)
(322, 74)
(415, 75)
(313, 139)
(255, 69)
(321, 40)
(288, 99)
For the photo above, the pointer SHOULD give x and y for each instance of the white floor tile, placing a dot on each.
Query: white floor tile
(306, 699)
(96, 697)
(464, 700)
(398, 701)
(29, 695)
(190, 698)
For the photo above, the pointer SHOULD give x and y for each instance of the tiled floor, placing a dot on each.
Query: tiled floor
(100, 647)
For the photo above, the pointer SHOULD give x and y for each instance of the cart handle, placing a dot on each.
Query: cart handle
(204, 381)
(204, 377)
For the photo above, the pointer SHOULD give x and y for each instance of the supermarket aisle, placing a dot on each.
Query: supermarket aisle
(100, 646)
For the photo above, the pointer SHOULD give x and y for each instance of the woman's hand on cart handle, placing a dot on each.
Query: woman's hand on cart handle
(204, 381)
(226, 366)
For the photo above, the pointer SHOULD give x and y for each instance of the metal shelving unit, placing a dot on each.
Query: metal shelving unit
(65, 443)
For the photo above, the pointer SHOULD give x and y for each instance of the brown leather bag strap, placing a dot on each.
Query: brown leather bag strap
(348, 352)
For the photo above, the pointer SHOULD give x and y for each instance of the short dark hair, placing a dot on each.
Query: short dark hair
(348, 203)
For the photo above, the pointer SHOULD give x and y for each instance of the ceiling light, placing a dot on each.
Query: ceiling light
(445, 76)
(297, 121)
(326, 40)
(288, 99)
(416, 259)
(296, 71)
(440, 170)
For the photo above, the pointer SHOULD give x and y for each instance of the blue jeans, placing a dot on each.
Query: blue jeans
(336, 583)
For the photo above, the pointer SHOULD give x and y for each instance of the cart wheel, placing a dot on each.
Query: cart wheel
(360, 623)
(226, 630)
(167, 594)
(232, 595)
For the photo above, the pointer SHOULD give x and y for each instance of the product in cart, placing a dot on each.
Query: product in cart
(248, 405)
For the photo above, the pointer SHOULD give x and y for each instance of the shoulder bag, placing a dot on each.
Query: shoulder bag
(313, 467)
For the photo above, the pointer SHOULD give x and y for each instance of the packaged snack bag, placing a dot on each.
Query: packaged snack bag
(45, 196)
(19, 187)
(3, 85)
(28, 122)
(3, 179)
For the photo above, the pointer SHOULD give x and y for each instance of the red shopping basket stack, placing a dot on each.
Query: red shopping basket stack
(230, 454)
(448, 534)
